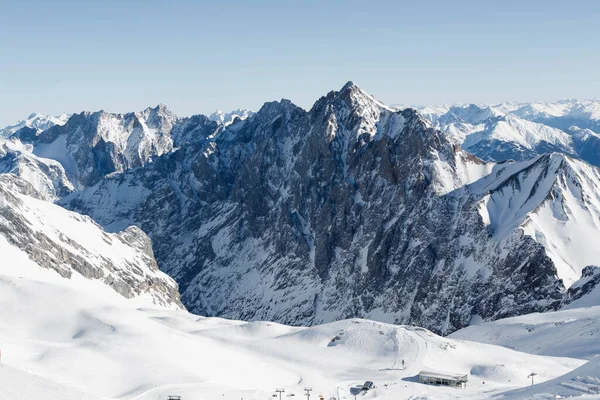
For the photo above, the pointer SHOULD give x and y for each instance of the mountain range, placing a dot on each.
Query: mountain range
(430, 216)
(521, 130)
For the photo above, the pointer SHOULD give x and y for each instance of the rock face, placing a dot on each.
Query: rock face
(351, 209)
(69, 244)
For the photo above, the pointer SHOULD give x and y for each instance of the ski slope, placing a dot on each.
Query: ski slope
(582, 382)
(16, 384)
(77, 337)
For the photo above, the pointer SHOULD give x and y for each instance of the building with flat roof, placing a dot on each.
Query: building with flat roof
(443, 379)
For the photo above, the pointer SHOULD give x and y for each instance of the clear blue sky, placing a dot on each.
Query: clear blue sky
(197, 56)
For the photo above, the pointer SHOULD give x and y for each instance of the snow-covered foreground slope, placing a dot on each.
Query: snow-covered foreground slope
(582, 382)
(17, 384)
(565, 333)
(91, 340)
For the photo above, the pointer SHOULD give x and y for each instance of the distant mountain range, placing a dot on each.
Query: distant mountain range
(432, 216)
(520, 130)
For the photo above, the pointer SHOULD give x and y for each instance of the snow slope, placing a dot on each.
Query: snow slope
(582, 382)
(555, 200)
(566, 333)
(90, 340)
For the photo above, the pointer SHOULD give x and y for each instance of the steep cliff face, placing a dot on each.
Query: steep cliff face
(70, 244)
(349, 209)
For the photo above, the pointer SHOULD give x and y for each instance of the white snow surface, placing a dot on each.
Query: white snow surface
(566, 333)
(583, 382)
(90, 340)
(552, 198)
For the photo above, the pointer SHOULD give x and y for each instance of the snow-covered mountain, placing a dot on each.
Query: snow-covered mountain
(92, 145)
(307, 217)
(37, 122)
(521, 130)
(46, 177)
(564, 114)
(74, 246)
(224, 118)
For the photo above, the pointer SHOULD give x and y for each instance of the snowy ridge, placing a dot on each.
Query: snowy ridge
(564, 333)
(555, 200)
(91, 146)
(38, 122)
(589, 109)
(73, 245)
(226, 119)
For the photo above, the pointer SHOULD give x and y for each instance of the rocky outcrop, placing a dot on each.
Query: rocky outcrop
(590, 280)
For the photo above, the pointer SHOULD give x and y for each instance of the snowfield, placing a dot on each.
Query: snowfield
(77, 338)
(567, 333)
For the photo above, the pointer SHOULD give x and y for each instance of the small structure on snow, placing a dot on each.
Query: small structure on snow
(443, 379)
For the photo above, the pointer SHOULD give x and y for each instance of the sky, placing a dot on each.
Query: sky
(198, 56)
